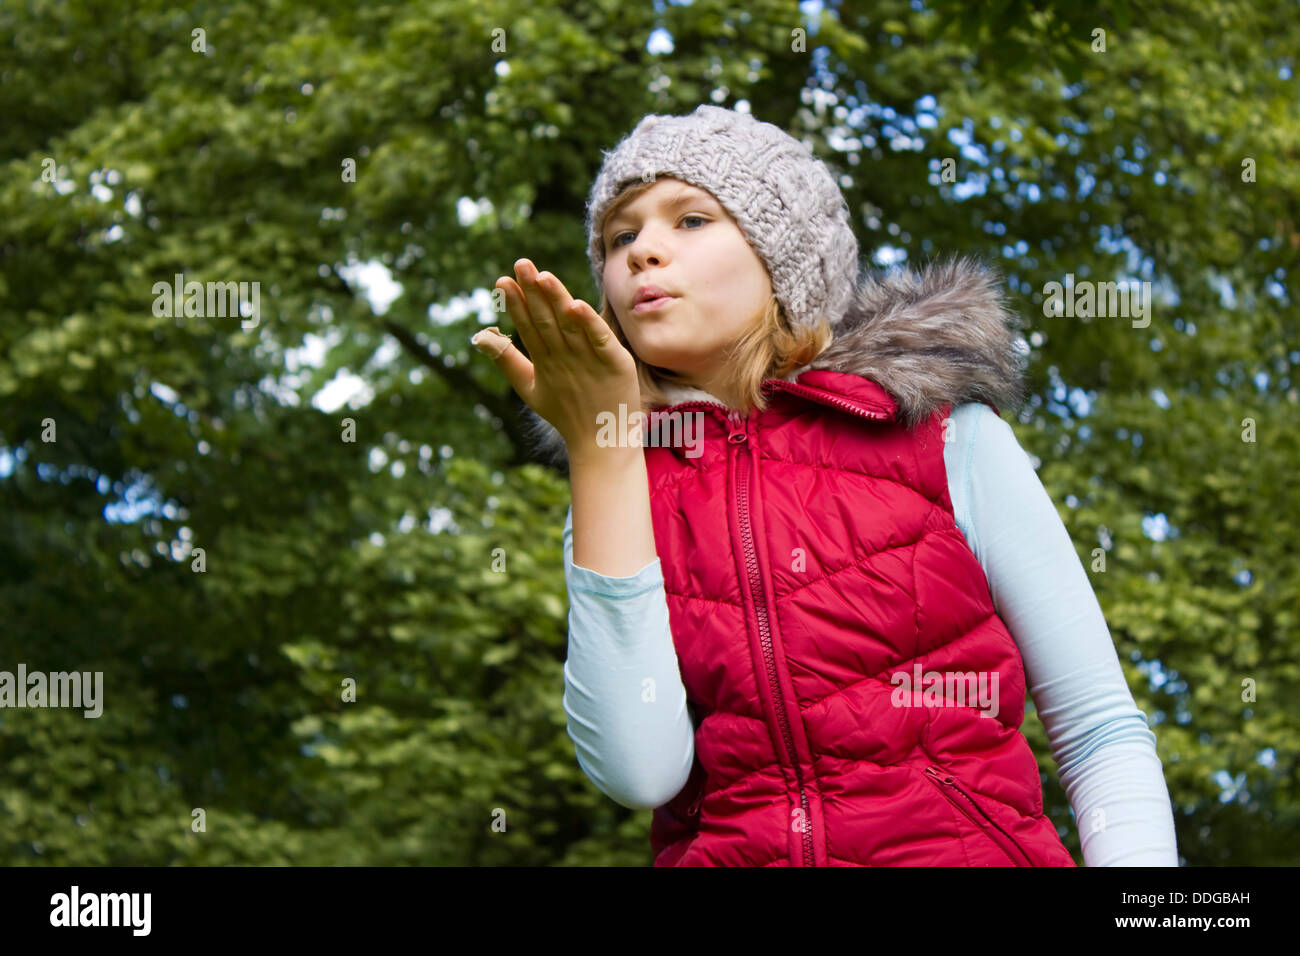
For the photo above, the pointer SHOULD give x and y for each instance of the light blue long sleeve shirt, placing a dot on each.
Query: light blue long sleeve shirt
(620, 644)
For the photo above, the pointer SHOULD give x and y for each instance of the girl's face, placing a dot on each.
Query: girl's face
(678, 237)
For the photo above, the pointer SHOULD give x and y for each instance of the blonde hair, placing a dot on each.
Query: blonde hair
(770, 347)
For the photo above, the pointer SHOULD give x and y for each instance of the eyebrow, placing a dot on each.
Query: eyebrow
(692, 198)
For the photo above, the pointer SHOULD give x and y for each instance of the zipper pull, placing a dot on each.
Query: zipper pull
(735, 428)
(694, 808)
(934, 772)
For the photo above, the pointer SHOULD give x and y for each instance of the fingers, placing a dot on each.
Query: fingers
(517, 307)
(547, 300)
(550, 321)
(538, 317)
(514, 365)
(564, 306)
(598, 334)
(573, 317)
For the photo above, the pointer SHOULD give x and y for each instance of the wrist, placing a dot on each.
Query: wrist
(589, 452)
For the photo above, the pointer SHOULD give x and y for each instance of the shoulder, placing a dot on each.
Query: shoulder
(978, 420)
(981, 442)
(964, 423)
(978, 439)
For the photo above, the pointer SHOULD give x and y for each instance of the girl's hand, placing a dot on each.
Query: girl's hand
(578, 369)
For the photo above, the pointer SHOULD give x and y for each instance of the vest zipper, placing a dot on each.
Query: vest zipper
(694, 807)
(813, 394)
(738, 437)
(827, 399)
(951, 789)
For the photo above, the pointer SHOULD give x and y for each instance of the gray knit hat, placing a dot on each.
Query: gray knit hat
(784, 199)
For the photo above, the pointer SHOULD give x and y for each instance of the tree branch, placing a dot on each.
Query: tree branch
(457, 380)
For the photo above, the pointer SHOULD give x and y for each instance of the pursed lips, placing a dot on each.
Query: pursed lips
(646, 305)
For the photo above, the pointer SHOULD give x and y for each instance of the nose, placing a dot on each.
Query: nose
(645, 250)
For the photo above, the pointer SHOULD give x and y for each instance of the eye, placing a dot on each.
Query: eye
(614, 242)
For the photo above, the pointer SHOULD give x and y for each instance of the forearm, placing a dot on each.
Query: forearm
(612, 530)
(623, 693)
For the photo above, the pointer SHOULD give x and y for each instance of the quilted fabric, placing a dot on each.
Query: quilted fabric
(809, 555)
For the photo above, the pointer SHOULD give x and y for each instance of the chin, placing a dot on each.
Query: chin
(667, 358)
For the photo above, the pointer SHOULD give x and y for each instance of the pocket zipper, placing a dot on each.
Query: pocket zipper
(947, 783)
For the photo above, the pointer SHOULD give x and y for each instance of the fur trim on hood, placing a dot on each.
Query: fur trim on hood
(928, 338)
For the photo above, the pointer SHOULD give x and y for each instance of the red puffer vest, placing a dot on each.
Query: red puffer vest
(809, 555)
(833, 627)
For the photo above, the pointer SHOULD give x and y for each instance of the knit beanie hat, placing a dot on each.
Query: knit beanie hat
(784, 199)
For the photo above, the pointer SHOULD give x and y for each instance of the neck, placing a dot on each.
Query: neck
(710, 390)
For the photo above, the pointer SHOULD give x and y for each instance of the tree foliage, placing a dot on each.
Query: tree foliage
(422, 560)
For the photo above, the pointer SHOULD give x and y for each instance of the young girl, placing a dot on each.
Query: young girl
(805, 638)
